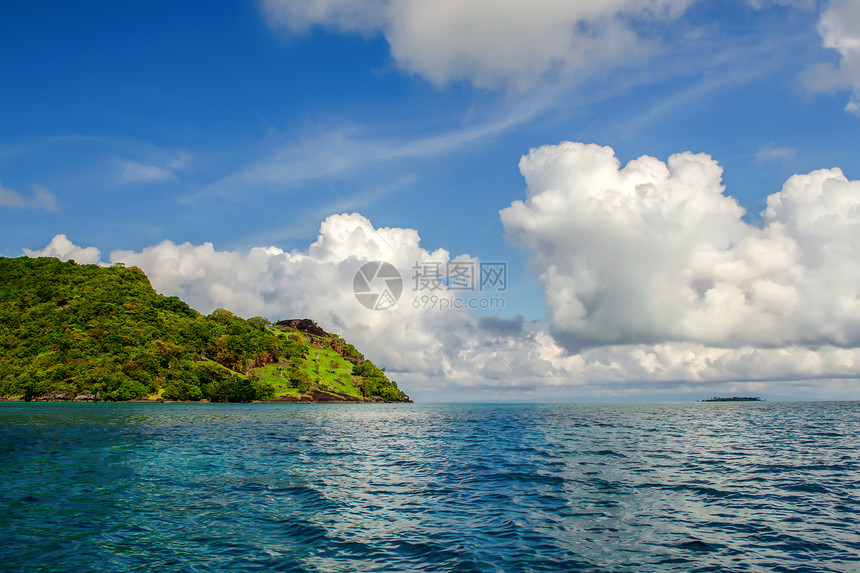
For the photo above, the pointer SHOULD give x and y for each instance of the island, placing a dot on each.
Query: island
(72, 332)
(735, 399)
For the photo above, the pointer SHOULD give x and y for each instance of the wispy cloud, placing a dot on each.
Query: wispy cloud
(348, 152)
(768, 152)
(133, 172)
(764, 4)
(352, 151)
(710, 68)
(41, 199)
(153, 170)
(95, 161)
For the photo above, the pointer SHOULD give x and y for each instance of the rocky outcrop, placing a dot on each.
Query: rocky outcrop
(264, 359)
(302, 325)
(55, 397)
(66, 397)
(320, 396)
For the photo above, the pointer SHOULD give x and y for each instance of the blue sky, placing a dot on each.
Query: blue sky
(246, 125)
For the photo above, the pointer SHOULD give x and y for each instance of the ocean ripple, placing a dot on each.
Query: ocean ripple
(570, 487)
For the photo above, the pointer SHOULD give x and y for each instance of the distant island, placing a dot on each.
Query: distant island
(72, 332)
(735, 399)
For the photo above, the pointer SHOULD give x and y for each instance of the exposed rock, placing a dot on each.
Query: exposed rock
(55, 397)
(85, 398)
(264, 359)
(291, 399)
(320, 396)
(303, 325)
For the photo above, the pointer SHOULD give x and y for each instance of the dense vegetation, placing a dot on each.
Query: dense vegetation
(103, 333)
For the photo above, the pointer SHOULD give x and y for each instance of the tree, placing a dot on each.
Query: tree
(259, 322)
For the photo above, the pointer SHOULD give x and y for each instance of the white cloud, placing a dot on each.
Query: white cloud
(839, 27)
(62, 248)
(656, 253)
(488, 42)
(42, 199)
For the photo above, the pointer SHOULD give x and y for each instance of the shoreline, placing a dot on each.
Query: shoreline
(286, 400)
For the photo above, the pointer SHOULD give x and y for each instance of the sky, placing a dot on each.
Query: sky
(624, 200)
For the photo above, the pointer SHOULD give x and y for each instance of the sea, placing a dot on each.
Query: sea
(753, 486)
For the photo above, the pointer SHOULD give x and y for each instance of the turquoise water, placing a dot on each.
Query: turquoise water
(414, 487)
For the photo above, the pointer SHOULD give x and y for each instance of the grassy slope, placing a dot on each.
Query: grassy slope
(326, 368)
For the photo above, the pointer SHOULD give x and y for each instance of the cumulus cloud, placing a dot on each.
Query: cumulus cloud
(839, 27)
(62, 248)
(488, 42)
(656, 253)
(41, 199)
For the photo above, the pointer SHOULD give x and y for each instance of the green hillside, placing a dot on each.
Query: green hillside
(72, 331)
